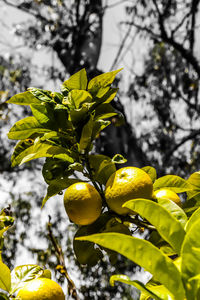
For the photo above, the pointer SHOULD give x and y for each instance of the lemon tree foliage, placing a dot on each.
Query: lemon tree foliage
(107, 204)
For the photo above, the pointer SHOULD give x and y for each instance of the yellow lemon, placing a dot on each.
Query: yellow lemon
(168, 194)
(82, 203)
(126, 184)
(41, 289)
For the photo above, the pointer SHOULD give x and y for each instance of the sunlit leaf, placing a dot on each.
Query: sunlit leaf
(102, 167)
(194, 217)
(5, 277)
(46, 274)
(76, 98)
(42, 95)
(139, 285)
(194, 180)
(44, 115)
(86, 135)
(58, 185)
(5, 223)
(86, 253)
(25, 98)
(99, 125)
(151, 172)
(102, 81)
(25, 128)
(22, 274)
(76, 81)
(119, 159)
(20, 147)
(174, 209)
(42, 150)
(166, 224)
(141, 252)
(190, 255)
(172, 182)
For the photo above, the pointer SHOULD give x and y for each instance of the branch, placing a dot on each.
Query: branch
(186, 54)
(28, 11)
(193, 12)
(61, 263)
(184, 140)
(121, 47)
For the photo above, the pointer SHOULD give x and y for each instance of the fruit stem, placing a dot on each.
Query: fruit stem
(99, 189)
(137, 222)
(61, 267)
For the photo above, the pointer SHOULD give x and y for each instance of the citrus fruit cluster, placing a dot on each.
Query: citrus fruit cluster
(83, 203)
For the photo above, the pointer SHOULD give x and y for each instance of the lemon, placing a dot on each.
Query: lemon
(168, 194)
(41, 289)
(126, 184)
(82, 203)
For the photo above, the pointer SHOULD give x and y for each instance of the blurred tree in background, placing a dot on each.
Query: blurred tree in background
(160, 104)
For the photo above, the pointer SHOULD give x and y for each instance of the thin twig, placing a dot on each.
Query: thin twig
(61, 263)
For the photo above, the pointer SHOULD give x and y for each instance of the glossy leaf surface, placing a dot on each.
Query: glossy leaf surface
(5, 277)
(172, 182)
(22, 274)
(165, 223)
(190, 255)
(174, 209)
(25, 128)
(141, 252)
(25, 98)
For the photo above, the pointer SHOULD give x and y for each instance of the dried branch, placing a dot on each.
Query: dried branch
(61, 262)
(183, 141)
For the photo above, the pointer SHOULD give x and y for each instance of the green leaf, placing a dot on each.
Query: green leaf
(194, 180)
(174, 209)
(172, 182)
(151, 172)
(86, 135)
(20, 147)
(25, 98)
(46, 274)
(139, 285)
(166, 224)
(99, 125)
(57, 185)
(78, 115)
(42, 95)
(104, 111)
(119, 159)
(55, 169)
(25, 128)
(22, 274)
(76, 81)
(102, 81)
(190, 255)
(5, 277)
(5, 223)
(76, 98)
(141, 252)
(44, 114)
(42, 150)
(160, 290)
(3, 297)
(194, 217)
(109, 96)
(86, 253)
(102, 167)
